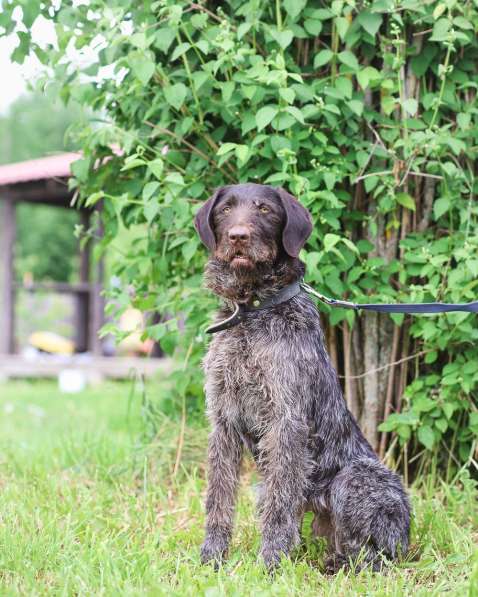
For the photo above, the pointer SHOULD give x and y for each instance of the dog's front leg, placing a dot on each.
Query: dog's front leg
(224, 460)
(284, 466)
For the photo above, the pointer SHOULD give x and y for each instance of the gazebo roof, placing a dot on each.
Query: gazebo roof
(54, 166)
(44, 180)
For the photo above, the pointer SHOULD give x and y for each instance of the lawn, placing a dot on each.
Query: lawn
(102, 495)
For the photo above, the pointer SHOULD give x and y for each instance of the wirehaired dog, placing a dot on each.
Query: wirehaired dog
(270, 387)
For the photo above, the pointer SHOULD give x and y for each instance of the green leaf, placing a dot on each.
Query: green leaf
(348, 243)
(80, 169)
(366, 75)
(397, 318)
(287, 94)
(313, 26)
(21, 51)
(344, 85)
(226, 148)
(139, 40)
(179, 50)
(349, 59)
(283, 38)
(322, 58)
(333, 108)
(199, 21)
(426, 436)
(456, 145)
(164, 38)
(265, 116)
(388, 104)
(370, 183)
(175, 95)
(156, 167)
(440, 30)
(243, 29)
(473, 424)
(296, 113)
(405, 200)
(175, 178)
(151, 210)
(440, 207)
(294, 7)
(94, 198)
(342, 24)
(283, 121)
(410, 105)
(330, 240)
(330, 179)
(356, 107)
(202, 45)
(242, 153)
(448, 409)
(189, 249)
(441, 424)
(149, 189)
(130, 164)
(370, 21)
(227, 89)
(463, 23)
(365, 246)
(439, 10)
(422, 404)
(142, 66)
(199, 78)
(421, 62)
(463, 120)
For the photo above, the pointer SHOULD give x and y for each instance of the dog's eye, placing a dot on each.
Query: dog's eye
(226, 210)
(264, 209)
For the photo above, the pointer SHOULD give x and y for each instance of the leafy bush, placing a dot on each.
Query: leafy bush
(365, 110)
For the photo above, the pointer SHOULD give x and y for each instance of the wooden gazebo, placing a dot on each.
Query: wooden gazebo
(45, 181)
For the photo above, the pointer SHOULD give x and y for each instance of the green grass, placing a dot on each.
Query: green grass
(91, 502)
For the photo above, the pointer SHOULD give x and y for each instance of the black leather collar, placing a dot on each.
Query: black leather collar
(241, 310)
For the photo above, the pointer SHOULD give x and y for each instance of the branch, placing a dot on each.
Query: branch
(370, 371)
(194, 149)
(372, 174)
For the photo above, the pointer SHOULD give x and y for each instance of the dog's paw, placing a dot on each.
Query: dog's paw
(332, 564)
(278, 542)
(271, 557)
(214, 550)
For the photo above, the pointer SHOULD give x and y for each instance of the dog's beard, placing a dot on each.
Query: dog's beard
(238, 283)
(246, 259)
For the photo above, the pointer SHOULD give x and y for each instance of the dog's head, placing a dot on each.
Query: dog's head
(245, 225)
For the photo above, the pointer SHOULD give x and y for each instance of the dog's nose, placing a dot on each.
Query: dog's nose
(239, 233)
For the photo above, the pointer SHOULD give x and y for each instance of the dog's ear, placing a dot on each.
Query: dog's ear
(203, 220)
(298, 225)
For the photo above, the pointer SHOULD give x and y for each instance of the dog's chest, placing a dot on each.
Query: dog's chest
(239, 371)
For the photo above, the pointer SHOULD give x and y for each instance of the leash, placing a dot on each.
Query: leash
(242, 310)
(394, 307)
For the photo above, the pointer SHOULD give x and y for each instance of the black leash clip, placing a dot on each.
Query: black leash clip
(329, 301)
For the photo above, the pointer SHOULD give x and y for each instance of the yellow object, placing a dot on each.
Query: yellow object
(51, 342)
(132, 321)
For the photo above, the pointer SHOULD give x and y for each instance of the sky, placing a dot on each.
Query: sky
(14, 77)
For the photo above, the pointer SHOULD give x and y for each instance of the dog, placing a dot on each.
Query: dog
(271, 389)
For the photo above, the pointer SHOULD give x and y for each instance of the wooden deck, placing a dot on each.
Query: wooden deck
(94, 368)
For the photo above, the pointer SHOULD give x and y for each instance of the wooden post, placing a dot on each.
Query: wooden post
(83, 298)
(97, 305)
(7, 292)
